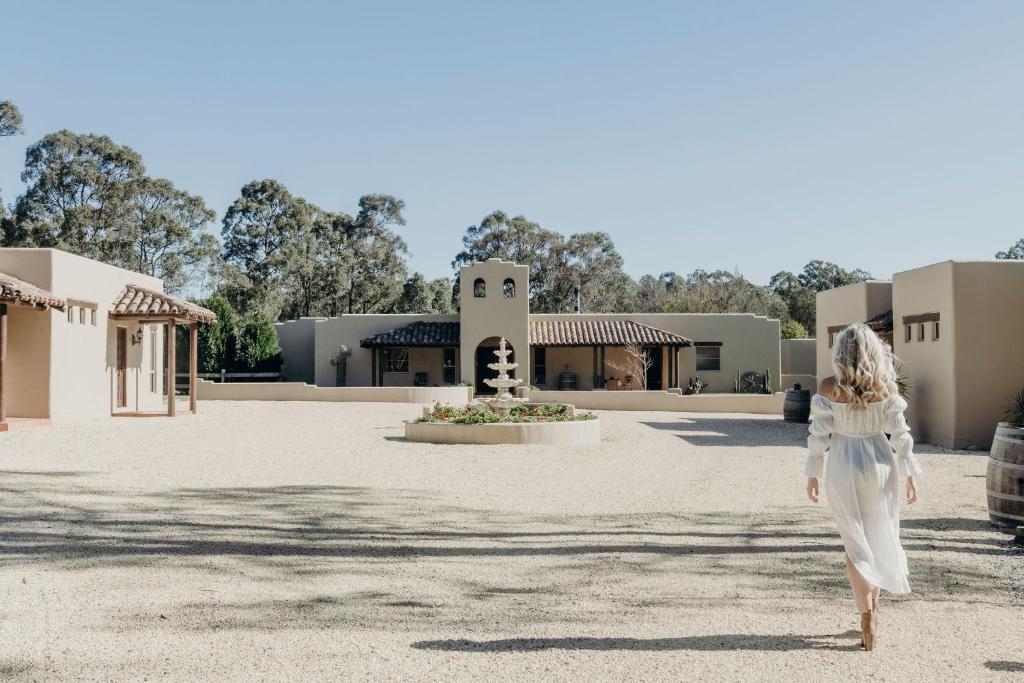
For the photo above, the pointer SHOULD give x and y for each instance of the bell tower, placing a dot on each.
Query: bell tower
(494, 303)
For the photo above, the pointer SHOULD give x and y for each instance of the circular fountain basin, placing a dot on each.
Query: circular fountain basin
(582, 432)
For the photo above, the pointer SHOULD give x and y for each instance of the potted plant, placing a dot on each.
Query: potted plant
(1005, 476)
(339, 359)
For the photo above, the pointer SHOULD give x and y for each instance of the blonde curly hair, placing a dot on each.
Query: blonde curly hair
(864, 367)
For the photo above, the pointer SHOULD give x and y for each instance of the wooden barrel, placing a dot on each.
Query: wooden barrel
(797, 405)
(1005, 478)
(567, 381)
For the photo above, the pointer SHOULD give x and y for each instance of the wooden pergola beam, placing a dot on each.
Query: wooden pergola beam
(193, 365)
(3, 363)
(171, 360)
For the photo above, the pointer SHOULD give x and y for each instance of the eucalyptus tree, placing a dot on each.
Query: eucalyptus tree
(78, 195)
(259, 231)
(1016, 252)
(166, 232)
(10, 119)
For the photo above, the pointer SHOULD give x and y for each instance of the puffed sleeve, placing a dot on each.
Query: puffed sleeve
(821, 435)
(899, 437)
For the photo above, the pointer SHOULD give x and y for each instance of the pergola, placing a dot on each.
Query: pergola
(15, 292)
(148, 307)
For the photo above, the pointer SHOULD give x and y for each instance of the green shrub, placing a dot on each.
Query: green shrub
(257, 347)
(1015, 414)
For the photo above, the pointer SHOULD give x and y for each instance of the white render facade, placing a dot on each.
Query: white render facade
(442, 350)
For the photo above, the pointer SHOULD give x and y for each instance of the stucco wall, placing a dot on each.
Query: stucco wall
(82, 357)
(770, 404)
(854, 303)
(929, 365)
(988, 328)
(799, 356)
(27, 372)
(298, 391)
(298, 348)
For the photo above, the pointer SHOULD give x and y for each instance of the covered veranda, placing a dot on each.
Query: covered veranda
(422, 353)
(20, 295)
(593, 351)
(147, 307)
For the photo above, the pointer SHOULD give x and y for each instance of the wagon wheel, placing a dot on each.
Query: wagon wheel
(751, 383)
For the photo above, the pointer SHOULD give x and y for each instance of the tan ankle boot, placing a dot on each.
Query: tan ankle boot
(867, 629)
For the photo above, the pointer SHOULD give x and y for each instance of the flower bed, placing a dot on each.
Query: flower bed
(522, 414)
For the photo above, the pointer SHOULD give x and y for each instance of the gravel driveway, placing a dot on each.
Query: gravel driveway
(309, 540)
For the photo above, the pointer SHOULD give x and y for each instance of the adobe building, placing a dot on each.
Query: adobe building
(956, 326)
(577, 351)
(80, 338)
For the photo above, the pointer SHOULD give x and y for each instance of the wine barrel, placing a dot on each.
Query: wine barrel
(567, 381)
(1005, 479)
(797, 405)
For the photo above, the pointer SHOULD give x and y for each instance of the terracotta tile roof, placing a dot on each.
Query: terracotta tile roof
(136, 301)
(20, 292)
(569, 332)
(417, 334)
(881, 322)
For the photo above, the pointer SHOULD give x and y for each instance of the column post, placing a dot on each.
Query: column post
(193, 366)
(171, 370)
(3, 363)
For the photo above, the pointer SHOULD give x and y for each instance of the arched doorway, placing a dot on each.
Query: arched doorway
(484, 356)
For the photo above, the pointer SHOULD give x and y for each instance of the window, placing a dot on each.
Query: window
(709, 356)
(935, 331)
(71, 314)
(396, 359)
(831, 339)
(479, 288)
(81, 315)
(920, 332)
(908, 335)
(152, 358)
(448, 366)
(540, 366)
(92, 317)
(509, 288)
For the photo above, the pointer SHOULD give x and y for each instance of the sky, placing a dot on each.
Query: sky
(745, 136)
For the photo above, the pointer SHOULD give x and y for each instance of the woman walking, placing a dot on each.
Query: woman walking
(853, 411)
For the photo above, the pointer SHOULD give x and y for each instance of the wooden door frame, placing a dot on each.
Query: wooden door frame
(121, 367)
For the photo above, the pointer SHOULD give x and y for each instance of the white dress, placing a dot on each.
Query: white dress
(862, 481)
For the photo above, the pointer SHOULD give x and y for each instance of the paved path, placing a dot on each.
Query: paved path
(304, 541)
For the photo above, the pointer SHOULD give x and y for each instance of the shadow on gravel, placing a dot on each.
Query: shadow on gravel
(474, 565)
(735, 432)
(1012, 667)
(724, 642)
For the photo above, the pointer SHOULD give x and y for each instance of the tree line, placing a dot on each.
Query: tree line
(281, 256)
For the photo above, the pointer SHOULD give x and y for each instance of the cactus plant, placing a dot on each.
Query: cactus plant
(767, 381)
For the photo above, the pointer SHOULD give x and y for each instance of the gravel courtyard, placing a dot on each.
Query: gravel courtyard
(296, 541)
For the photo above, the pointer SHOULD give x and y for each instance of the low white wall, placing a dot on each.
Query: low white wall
(299, 391)
(548, 433)
(764, 404)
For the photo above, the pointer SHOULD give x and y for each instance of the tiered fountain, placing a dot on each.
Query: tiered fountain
(504, 402)
(489, 420)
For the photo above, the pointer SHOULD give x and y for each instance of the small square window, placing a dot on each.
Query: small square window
(81, 316)
(831, 339)
(92, 317)
(935, 331)
(920, 332)
(709, 358)
(71, 314)
(907, 333)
